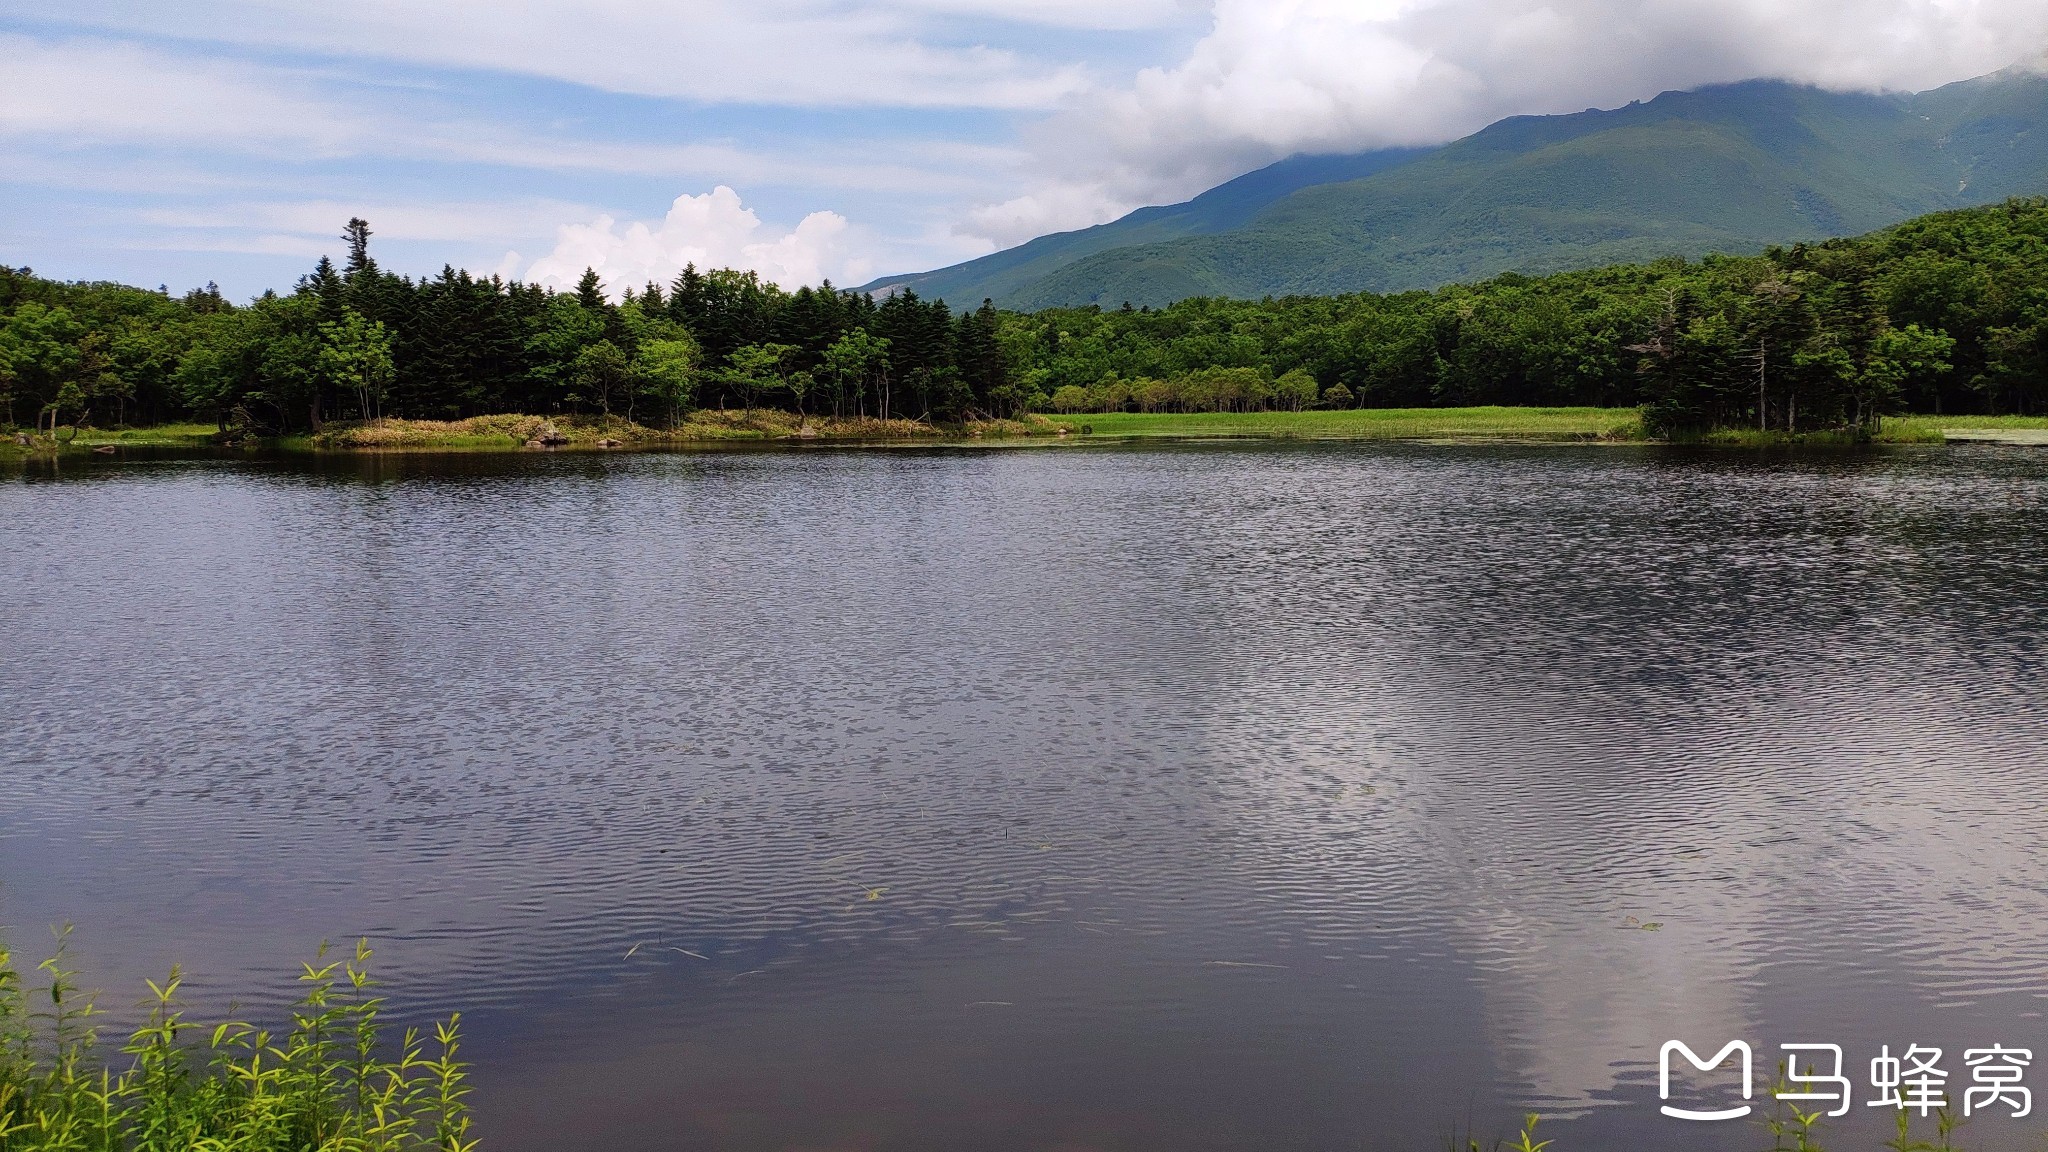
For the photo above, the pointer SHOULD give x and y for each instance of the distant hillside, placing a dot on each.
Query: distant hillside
(1731, 169)
(1229, 205)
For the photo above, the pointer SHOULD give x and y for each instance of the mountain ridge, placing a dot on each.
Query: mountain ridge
(1728, 168)
(1221, 208)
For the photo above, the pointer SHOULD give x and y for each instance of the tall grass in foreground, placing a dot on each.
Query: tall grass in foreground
(1790, 1130)
(329, 1083)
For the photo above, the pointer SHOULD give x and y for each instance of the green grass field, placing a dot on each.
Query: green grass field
(1524, 424)
(1374, 423)
(1936, 429)
(163, 435)
(158, 434)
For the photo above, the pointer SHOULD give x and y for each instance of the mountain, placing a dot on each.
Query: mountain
(1220, 209)
(1732, 168)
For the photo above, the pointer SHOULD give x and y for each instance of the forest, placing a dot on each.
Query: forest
(1945, 313)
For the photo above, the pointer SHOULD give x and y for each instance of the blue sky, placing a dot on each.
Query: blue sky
(228, 140)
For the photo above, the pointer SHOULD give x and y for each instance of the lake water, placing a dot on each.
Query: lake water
(1204, 796)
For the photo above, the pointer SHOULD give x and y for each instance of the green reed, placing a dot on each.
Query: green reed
(329, 1083)
(1790, 1130)
(1793, 1130)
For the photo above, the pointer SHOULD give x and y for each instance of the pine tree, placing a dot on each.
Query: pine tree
(981, 360)
(590, 291)
(357, 236)
(326, 284)
(686, 298)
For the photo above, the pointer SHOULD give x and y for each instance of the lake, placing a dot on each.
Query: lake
(1191, 796)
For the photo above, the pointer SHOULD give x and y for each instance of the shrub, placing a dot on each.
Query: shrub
(330, 1083)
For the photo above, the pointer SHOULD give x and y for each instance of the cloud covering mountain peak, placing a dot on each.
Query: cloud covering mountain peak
(1275, 77)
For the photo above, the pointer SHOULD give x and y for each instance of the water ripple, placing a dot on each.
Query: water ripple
(1197, 796)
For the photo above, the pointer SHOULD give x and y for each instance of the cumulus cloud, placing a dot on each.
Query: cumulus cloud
(1275, 77)
(714, 230)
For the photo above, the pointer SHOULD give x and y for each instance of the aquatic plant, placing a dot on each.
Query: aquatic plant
(1527, 1141)
(329, 1083)
(1790, 1129)
(1785, 1121)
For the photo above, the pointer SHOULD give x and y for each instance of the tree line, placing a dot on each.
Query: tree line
(358, 342)
(1947, 313)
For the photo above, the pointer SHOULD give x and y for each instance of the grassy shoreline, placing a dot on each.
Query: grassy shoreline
(512, 432)
(1373, 424)
(509, 433)
(506, 432)
(1938, 429)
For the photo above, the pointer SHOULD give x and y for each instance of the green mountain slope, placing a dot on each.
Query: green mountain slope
(1729, 169)
(1226, 206)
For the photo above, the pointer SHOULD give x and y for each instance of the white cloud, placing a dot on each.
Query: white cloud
(1274, 77)
(714, 230)
(212, 99)
(105, 92)
(321, 219)
(1105, 15)
(783, 52)
(304, 249)
(217, 146)
(1049, 208)
(67, 95)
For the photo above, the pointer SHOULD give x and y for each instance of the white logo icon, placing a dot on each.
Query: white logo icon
(1693, 1058)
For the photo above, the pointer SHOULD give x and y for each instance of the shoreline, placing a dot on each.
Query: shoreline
(763, 427)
